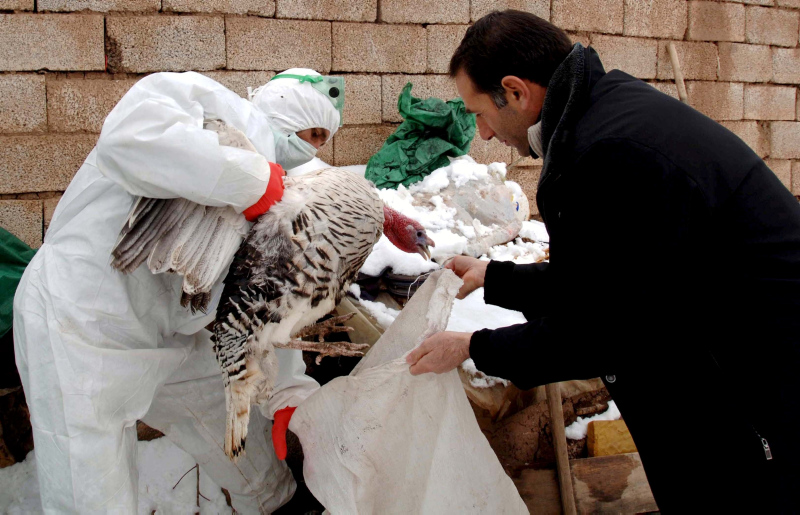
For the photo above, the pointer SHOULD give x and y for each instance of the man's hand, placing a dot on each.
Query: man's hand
(472, 271)
(440, 353)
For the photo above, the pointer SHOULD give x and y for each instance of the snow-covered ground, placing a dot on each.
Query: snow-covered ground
(577, 430)
(161, 464)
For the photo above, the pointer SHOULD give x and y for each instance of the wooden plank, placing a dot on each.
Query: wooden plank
(364, 330)
(609, 437)
(560, 444)
(611, 484)
(539, 491)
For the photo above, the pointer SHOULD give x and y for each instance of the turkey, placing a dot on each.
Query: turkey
(296, 263)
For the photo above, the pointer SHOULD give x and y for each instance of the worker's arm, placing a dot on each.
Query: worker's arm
(619, 294)
(154, 145)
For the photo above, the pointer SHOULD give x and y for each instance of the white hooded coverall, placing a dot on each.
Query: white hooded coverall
(97, 349)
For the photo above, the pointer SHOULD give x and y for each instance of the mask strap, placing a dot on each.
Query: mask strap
(302, 78)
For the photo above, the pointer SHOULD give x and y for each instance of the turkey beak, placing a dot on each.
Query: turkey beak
(422, 246)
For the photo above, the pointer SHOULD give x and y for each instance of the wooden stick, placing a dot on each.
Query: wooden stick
(676, 70)
(560, 444)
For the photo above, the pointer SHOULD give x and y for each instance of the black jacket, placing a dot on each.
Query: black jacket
(674, 275)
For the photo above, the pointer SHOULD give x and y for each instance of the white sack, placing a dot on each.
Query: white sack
(383, 441)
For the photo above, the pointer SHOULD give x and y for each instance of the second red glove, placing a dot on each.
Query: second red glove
(273, 194)
(279, 427)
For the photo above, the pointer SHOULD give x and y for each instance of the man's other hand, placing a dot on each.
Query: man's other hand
(472, 271)
(440, 353)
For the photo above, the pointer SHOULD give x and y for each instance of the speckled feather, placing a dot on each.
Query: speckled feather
(293, 268)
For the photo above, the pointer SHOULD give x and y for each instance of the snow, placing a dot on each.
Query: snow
(480, 380)
(451, 235)
(161, 464)
(535, 231)
(577, 430)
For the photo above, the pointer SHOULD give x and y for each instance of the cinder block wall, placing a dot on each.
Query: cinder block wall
(65, 63)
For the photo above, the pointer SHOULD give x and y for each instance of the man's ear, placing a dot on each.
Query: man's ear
(516, 90)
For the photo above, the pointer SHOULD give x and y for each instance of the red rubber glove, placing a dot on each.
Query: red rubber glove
(279, 427)
(273, 194)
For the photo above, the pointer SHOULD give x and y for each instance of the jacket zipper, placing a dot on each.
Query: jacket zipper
(764, 444)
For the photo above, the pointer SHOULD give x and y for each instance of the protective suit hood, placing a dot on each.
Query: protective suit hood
(292, 106)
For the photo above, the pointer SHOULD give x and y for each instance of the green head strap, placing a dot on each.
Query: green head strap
(331, 87)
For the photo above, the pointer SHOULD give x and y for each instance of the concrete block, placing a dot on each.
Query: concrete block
(745, 63)
(23, 219)
(51, 41)
(165, 43)
(528, 179)
(782, 169)
(717, 100)
(796, 177)
(767, 26)
(366, 47)
(716, 21)
(424, 11)
(16, 5)
(668, 88)
(763, 102)
(580, 37)
(255, 7)
(98, 5)
(754, 2)
(261, 44)
(786, 65)
(698, 60)
(492, 151)
(606, 16)
(655, 18)
(635, 56)
(82, 105)
(609, 437)
(362, 95)
(356, 145)
(49, 209)
(794, 4)
(481, 8)
(785, 141)
(443, 40)
(41, 163)
(754, 134)
(329, 10)
(22, 103)
(238, 82)
(423, 86)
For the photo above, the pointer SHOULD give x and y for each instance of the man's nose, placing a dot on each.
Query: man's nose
(484, 130)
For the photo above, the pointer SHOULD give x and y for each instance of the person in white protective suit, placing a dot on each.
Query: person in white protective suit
(98, 349)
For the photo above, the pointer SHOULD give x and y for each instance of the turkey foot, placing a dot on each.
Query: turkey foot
(326, 348)
(322, 329)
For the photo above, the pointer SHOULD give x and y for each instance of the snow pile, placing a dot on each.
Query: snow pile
(161, 464)
(19, 488)
(535, 231)
(480, 380)
(422, 202)
(577, 430)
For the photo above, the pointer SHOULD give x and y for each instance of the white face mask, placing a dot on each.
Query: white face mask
(292, 151)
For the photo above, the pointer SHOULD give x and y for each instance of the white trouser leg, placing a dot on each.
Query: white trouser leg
(190, 410)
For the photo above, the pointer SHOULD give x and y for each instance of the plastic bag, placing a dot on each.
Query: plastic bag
(14, 257)
(433, 130)
(383, 441)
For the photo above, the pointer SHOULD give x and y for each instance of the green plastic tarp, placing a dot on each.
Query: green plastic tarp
(432, 131)
(14, 257)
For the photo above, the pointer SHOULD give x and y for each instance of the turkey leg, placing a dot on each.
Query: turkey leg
(322, 347)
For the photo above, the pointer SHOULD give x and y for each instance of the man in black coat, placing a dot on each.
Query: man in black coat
(674, 270)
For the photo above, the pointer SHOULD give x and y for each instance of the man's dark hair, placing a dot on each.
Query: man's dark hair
(509, 43)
